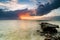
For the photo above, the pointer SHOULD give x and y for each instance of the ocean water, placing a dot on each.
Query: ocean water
(21, 29)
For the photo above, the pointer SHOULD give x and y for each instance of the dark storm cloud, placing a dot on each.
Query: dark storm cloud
(45, 9)
(10, 15)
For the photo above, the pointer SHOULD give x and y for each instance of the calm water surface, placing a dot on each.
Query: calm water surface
(21, 29)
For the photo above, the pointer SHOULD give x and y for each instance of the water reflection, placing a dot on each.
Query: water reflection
(21, 29)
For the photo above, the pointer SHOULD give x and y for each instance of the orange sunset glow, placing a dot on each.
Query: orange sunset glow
(24, 15)
(27, 16)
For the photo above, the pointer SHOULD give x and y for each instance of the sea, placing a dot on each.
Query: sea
(22, 29)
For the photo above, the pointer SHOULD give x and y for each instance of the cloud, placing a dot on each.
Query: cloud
(45, 9)
(33, 0)
(51, 14)
(13, 5)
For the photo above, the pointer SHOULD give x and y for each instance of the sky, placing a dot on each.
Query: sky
(12, 5)
(20, 4)
(16, 4)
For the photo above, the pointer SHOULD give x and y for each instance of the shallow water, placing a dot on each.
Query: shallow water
(21, 29)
